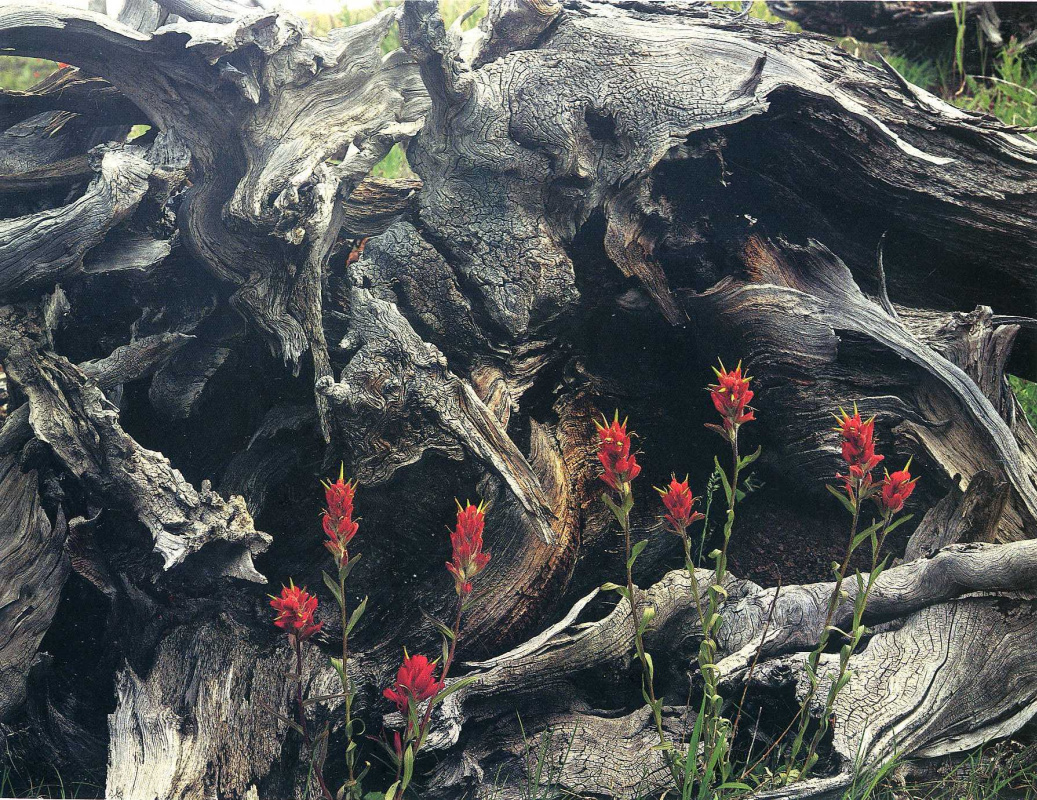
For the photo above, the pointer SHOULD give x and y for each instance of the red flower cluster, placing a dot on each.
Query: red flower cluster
(468, 559)
(295, 608)
(896, 488)
(858, 450)
(415, 683)
(338, 519)
(619, 463)
(678, 499)
(731, 395)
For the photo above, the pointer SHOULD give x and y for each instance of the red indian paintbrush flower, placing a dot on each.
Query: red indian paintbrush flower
(338, 519)
(295, 609)
(858, 450)
(895, 489)
(731, 395)
(620, 465)
(415, 682)
(467, 559)
(678, 499)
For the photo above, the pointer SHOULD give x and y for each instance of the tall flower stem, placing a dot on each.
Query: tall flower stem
(347, 690)
(447, 662)
(815, 658)
(707, 651)
(647, 667)
(301, 711)
(858, 451)
(856, 633)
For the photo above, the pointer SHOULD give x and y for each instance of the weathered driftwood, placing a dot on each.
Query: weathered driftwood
(611, 194)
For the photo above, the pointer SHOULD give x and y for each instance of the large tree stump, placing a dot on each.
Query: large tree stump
(611, 195)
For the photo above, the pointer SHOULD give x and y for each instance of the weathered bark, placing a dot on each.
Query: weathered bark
(610, 195)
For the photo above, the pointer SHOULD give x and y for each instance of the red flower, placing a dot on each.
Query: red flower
(731, 396)
(858, 450)
(338, 519)
(678, 499)
(295, 609)
(468, 559)
(415, 682)
(896, 488)
(619, 464)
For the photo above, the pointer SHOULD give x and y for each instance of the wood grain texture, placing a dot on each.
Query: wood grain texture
(609, 196)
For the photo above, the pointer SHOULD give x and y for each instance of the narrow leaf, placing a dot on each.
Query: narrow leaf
(332, 585)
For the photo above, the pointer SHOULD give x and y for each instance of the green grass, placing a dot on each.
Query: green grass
(23, 73)
(15, 785)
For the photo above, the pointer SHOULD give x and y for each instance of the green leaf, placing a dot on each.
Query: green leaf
(443, 629)
(453, 687)
(866, 533)
(651, 666)
(894, 525)
(646, 619)
(745, 461)
(332, 587)
(390, 793)
(635, 551)
(616, 511)
(841, 497)
(723, 480)
(354, 618)
(718, 589)
(608, 586)
(690, 761)
(348, 567)
(408, 768)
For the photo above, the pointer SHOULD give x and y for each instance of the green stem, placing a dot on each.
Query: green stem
(815, 657)
(347, 687)
(855, 636)
(301, 711)
(423, 728)
(707, 652)
(647, 682)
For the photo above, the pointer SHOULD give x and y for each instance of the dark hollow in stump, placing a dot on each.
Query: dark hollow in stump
(611, 195)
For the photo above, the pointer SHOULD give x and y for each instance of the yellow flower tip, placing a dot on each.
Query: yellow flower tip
(341, 470)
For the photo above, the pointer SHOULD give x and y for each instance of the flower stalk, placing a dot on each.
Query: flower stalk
(619, 469)
(731, 396)
(340, 528)
(416, 681)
